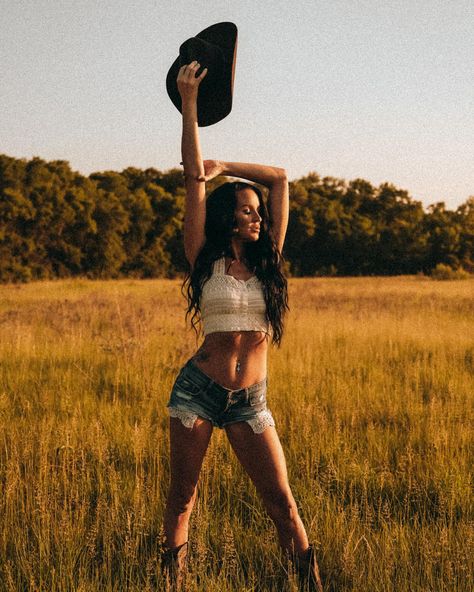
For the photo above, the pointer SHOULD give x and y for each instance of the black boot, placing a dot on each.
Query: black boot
(173, 564)
(308, 570)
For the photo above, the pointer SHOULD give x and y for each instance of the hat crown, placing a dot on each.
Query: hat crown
(207, 54)
(215, 48)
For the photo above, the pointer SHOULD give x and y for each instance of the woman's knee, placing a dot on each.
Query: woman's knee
(281, 506)
(181, 498)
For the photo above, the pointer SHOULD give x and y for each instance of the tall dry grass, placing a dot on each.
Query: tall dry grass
(373, 396)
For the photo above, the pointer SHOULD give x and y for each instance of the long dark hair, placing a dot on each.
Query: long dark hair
(262, 256)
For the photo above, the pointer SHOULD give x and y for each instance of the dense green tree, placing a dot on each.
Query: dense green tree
(444, 236)
(400, 243)
(55, 222)
(104, 248)
(465, 216)
(16, 249)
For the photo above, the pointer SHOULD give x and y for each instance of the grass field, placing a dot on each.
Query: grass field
(373, 395)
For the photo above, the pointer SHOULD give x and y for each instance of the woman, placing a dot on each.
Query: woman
(237, 290)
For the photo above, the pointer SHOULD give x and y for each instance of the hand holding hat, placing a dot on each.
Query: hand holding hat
(214, 49)
(188, 82)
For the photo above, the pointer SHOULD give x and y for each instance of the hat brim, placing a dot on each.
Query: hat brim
(214, 100)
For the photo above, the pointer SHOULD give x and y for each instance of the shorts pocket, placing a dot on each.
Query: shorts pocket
(186, 388)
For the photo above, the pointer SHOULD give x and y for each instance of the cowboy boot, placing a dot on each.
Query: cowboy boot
(308, 570)
(173, 564)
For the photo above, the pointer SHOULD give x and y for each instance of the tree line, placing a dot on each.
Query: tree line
(55, 222)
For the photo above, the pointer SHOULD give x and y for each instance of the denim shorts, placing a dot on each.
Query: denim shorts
(194, 394)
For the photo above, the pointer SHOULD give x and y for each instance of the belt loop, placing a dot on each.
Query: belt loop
(228, 400)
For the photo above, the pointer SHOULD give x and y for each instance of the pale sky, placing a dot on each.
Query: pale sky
(381, 90)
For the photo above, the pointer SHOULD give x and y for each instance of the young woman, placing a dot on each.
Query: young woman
(237, 290)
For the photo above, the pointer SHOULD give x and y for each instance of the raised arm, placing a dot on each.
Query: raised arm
(195, 212)
(274, 178)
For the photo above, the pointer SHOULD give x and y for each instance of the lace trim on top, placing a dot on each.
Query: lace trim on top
(229, 304)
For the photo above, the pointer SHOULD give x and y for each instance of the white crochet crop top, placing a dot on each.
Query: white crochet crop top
(229, 304)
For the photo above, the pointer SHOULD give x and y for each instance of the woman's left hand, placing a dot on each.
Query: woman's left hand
(187, 82)
(212, 168)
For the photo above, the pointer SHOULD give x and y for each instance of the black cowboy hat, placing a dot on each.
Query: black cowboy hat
(215, 48)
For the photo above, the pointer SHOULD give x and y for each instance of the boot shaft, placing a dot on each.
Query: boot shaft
(173, 564)
(308, 570)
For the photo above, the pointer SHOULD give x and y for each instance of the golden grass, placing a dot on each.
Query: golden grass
(373, 396)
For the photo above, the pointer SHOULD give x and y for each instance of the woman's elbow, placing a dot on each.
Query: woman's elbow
(281, 174)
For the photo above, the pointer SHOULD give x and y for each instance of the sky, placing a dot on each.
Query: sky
(372, 89)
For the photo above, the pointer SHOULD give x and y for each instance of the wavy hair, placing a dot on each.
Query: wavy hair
(262, 256)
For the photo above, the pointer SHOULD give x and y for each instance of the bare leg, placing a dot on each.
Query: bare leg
(262, 457)
(187, 450)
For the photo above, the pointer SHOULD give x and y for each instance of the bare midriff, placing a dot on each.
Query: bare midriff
(234, 359)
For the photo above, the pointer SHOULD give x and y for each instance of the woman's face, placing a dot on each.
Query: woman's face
(247, 216)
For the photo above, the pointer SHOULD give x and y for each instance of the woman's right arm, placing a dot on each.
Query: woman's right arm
(195, 212)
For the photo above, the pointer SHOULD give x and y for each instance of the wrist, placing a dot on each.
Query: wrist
(189, 113)
(189, 102)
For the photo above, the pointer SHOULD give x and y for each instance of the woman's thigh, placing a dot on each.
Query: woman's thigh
(262, 457)
(187, 450)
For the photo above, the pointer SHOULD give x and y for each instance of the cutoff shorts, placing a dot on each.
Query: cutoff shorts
(194, 394)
